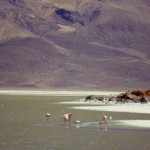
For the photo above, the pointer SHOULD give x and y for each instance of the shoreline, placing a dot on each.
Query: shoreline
(57, 93)
(111, 107)
(122, 108)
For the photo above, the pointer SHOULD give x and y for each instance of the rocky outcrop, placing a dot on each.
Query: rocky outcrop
(136, 96)
(95, 98)
(129, 96)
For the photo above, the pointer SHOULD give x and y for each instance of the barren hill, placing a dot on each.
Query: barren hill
(75, 44)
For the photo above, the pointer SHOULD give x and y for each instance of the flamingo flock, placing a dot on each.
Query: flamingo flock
(67, 118)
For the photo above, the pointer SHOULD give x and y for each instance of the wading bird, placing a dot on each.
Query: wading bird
(47, 116)
(67, 118)
(104, 121)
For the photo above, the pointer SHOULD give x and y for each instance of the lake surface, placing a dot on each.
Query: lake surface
(23, 126)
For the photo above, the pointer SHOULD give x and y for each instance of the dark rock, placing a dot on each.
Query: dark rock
(70, 16)
(125, 97)
(143, 100)
(90, 97)
(93, 97)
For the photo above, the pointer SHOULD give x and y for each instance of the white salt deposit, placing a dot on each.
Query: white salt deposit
(61, 93)
(130, 108)
(137, 123)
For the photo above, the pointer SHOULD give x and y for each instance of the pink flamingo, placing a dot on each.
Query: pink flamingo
(67, 118)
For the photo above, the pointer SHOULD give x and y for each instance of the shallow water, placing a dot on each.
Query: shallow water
(23, 126)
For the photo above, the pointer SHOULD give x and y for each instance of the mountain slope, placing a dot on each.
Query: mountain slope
(74, 44)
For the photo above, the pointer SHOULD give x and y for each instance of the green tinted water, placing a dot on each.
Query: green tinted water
(23, 126)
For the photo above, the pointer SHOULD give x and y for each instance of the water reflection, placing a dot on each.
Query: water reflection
(114, 125)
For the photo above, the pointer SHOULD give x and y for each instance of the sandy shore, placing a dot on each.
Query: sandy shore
(61, 93)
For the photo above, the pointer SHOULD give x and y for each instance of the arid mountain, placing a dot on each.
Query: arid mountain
(75, 44)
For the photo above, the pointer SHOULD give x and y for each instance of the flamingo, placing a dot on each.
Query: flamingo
(67, 118)
(104, 121)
